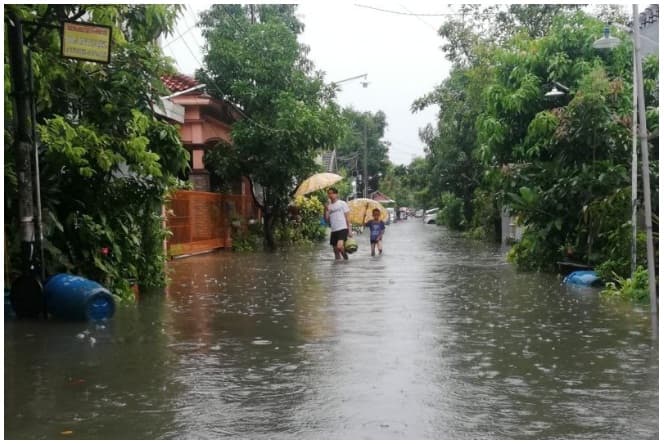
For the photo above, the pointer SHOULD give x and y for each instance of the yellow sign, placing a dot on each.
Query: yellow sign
(86, 42)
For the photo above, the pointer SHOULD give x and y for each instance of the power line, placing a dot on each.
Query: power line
(407, 13)
(420, 19)
(179, 38)
(193, 17)
(200, 65)
(447, 14)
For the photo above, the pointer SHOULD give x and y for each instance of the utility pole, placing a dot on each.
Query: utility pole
(635, 162)
(22, 146)
(643, 136)
(39, 226)
(365, 173)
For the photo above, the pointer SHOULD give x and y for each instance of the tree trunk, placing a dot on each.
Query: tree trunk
(268, 229)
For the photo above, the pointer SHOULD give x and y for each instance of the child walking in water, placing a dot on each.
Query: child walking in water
(377, 228)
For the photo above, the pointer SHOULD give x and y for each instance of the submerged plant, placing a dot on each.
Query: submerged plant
(633, 289)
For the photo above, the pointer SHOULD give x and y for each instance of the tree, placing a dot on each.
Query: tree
(494, 25)
(106, 160)
(559, 165)
(254, 60)
(352, 144)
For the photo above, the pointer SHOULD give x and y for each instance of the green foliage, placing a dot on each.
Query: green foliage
(454, 165)
(486, 216)
(532, 253)
(619, 262)
(450, 213)
(634, 288)
(248, 240)
(351, 146)
(254, 60)
(559, 165)
(306, 226)
(106, 161)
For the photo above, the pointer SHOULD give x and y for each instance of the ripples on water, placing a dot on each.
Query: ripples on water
(438, 338)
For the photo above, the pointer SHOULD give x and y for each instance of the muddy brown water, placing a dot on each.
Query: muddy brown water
(439, 338)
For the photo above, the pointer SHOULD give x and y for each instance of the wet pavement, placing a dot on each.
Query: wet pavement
(439, 338)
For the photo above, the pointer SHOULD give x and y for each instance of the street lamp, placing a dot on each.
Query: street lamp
(364, 83)
(365, 175)
(555, 92)
(606, 42)
(639, 107)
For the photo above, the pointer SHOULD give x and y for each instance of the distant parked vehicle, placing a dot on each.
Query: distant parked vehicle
(419, 213)
(391, 216)
(430, 216)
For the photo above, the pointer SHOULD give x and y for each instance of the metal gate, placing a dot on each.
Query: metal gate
(200, 221)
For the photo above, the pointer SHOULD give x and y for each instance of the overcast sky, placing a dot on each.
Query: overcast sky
(400, 54)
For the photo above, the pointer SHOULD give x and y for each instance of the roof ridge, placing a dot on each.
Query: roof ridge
(179, 82)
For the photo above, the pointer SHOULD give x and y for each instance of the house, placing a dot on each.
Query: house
(204, 219)
(382, 199)
(207, 121)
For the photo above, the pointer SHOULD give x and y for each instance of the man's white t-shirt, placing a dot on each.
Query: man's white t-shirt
(338, 212)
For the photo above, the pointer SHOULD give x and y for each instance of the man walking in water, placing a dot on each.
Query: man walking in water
(336, 214)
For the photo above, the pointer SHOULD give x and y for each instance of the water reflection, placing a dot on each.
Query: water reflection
(82, 380)
(438, 338)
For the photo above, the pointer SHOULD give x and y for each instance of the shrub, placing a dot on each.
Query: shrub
(633, 289)
(451, 211)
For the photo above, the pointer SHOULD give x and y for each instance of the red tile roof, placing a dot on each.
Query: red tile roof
(179, 82)
(380, 197)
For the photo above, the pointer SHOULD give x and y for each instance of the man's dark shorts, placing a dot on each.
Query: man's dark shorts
(336, 236)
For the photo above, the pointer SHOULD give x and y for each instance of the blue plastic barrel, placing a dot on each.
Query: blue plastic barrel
(76, 298)
(586, 278)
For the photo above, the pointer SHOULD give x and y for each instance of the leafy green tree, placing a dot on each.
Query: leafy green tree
(419, 179)
(395, 184)
(474, 27)
(352, 144)
(560, 165)
(253, 59)
(106, 160)
(452, 144)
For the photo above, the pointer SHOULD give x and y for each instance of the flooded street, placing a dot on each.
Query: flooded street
(439, 338)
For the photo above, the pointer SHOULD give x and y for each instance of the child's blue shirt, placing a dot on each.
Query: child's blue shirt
(376, 228)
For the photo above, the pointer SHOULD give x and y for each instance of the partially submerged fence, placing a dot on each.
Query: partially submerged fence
(201, 221)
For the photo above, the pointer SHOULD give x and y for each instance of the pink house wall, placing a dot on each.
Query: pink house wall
(199, 129)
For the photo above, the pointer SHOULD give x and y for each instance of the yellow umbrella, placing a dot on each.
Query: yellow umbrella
(317, 182)
(361, 209)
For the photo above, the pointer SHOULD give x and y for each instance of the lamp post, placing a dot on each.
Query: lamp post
(555, 92)
(608, 42)
(365, 174)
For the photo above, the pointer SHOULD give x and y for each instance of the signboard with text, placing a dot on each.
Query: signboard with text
(86, 41)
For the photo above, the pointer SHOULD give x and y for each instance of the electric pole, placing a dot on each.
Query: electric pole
(643, 137)
(22, 145)
(365, 174)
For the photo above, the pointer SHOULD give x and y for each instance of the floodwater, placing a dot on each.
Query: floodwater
(439, 338)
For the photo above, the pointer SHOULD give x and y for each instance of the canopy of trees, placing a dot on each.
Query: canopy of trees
(560, 165)
(106, 160)
(253, 59)
(351, 147)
